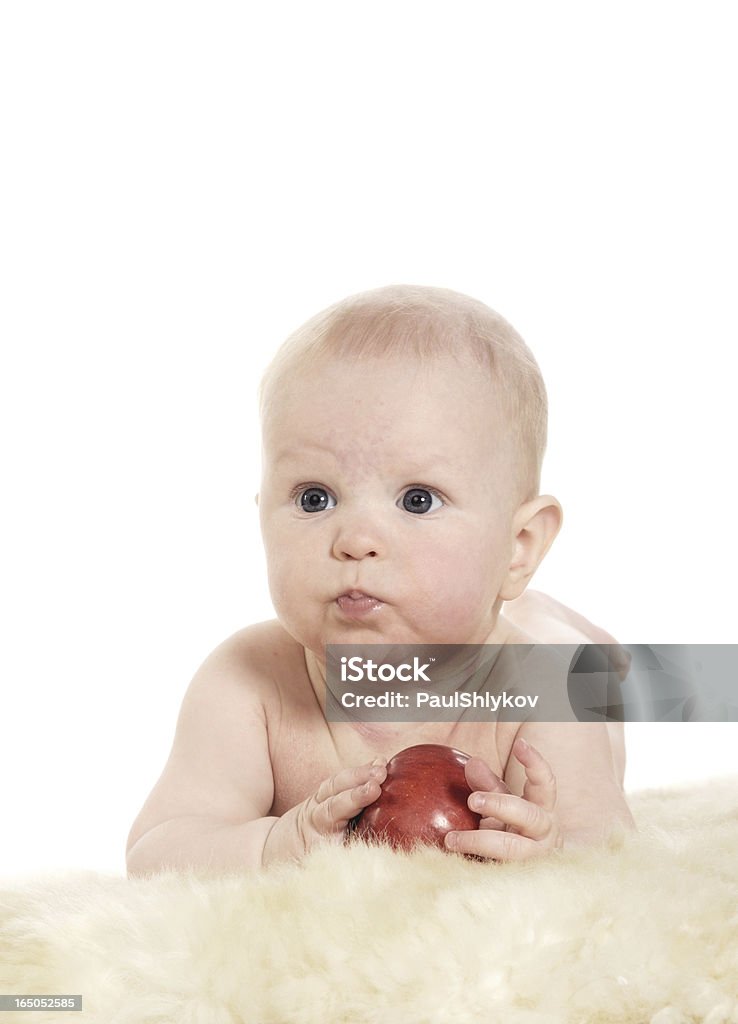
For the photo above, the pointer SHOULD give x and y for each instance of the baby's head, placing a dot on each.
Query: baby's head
(403, 434)
(427, 324)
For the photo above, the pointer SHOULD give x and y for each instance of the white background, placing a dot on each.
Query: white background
(183, 184)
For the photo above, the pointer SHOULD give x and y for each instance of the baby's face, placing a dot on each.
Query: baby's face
(392, 481)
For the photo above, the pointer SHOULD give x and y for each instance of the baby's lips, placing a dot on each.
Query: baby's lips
(359, 595)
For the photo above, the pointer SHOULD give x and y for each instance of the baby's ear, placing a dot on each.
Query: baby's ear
(536, 524)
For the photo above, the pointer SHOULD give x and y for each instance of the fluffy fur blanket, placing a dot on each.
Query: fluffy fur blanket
(645, 930)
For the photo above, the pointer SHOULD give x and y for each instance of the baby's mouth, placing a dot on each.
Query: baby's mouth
(355, 603)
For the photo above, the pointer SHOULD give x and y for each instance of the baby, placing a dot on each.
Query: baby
(403, 433)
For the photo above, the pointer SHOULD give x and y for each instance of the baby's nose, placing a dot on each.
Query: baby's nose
(356, 540)
(355, 549)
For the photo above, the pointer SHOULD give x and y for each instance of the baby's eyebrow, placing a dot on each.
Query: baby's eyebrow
(427, 464)
(297, 454)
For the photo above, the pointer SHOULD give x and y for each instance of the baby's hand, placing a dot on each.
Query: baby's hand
(512, 827)
(324, 816)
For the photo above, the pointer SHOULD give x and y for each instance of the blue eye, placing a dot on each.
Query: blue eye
(316, 499)
(419, 500)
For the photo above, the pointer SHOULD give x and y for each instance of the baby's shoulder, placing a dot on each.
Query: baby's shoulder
(259, 653)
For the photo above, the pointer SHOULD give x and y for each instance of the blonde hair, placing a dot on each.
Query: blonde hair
(427, 322)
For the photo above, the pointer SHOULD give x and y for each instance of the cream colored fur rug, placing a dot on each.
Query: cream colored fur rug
(645, 930)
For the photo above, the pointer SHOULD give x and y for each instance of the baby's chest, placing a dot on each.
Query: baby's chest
(302, 758)
(306, 750)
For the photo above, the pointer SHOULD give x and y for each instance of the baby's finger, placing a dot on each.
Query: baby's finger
(480, 776)
(492, 823)
(540, 787)
(350, 778)
(334, 813)
(494, 845)
(526, 818)
(345, 806)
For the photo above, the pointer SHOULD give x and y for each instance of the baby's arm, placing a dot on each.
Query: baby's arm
(210, 808)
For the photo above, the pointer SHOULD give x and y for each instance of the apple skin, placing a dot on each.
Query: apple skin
(423, 797)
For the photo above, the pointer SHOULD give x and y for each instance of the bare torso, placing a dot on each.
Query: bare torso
(305, 749)
(253, 741)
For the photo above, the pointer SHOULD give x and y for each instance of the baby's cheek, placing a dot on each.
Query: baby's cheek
(467, 587)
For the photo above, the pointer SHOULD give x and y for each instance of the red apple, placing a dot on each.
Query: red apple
(423, 797)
